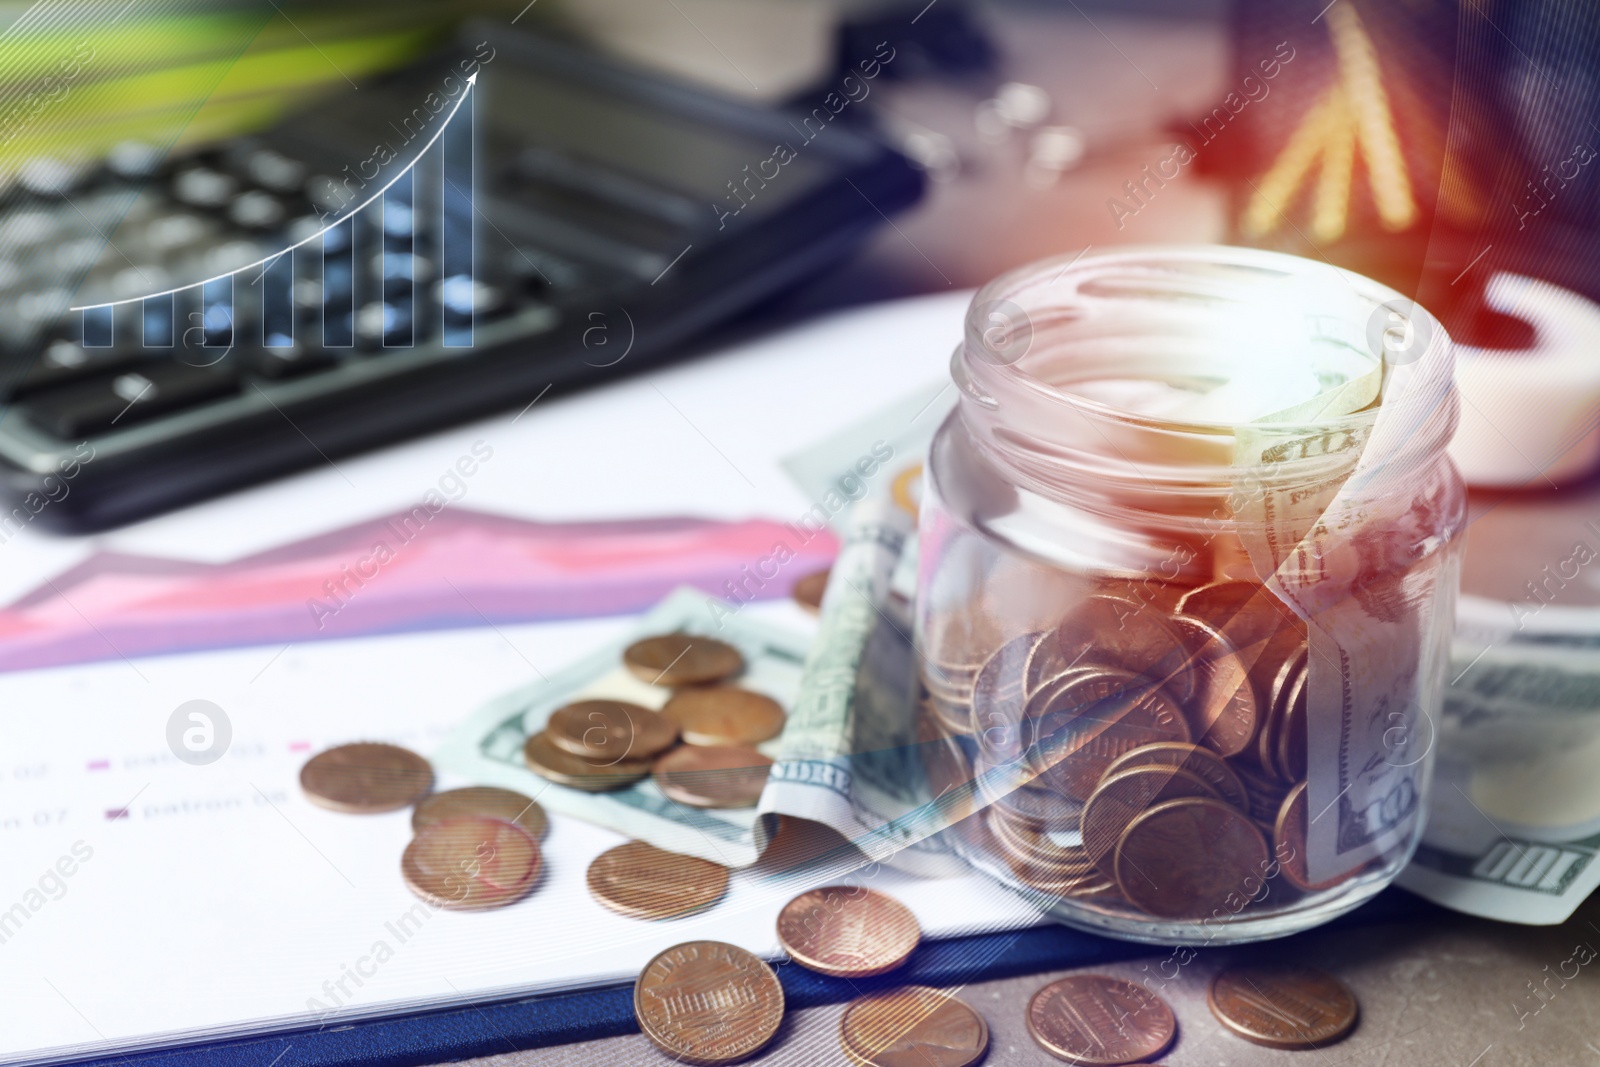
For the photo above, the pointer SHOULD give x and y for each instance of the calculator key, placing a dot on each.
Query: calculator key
(133, 160)
(62, 363)
(52, 177)
(256, 210)
(116, 401)
(275, 171)
(203, 187)
(288, 361)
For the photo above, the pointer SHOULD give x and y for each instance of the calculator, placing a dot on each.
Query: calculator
(181, 325)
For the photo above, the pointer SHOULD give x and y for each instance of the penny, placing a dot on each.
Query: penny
(1185, 859)
(1043, 855)
(482, 801)
(913, 1026)
(808, 590)
(848, 931)
(1090, 719)
(707, 776)
(366, 778)
(1125, 633)
(576, 772)
(1282, 1005)
(1099, 1021)
(610, 731)
(1266, 749)
(705, 1002)
(1247, 613)
(1122, 797)
(644, 882)
(724, 715)
(1223, 712)
(682, 659)
(1289, 842)
(1290, 747)
(470, 864)
(998, 693)
(1200, 762)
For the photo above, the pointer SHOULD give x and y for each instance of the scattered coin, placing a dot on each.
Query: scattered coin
(913, 1026)
(1100, 1021)
(609, 731)
(724, 715)
(682, 659)
(1200, 762)
(644, 882)
(1283, 1005)
(577, 772)
(707, 776)
(808, 590)
(1122, 797)
(1184, 859)
(365, 778)
(482, 801)
(848, 931)
(705, 1002)
(471, 863)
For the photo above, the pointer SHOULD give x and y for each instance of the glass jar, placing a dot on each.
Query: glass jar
(1188, 557)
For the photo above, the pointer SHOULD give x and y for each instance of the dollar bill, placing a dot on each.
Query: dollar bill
(487, 747)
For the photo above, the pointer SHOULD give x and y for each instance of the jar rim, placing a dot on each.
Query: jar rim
(1003, 290)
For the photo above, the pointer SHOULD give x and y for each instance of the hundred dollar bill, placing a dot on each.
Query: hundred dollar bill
(1337, 553)
(850, 755)
(487, 747)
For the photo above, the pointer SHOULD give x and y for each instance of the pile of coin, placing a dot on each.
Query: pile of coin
(1162, 735)
(473, 849)
(599, 745)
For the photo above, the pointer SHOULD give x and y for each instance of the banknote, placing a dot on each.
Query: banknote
(487, 747)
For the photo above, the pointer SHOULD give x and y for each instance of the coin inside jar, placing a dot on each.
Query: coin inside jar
(1117, 631)
(912, 1026)
(708, 1003)
(1100, 1021)
(644, 882)
(471, 863)
(482, 801)
(682, 659)
(1124, 796)
(724, 715)
(1289, 841)
(1090, 719)
(707, 776)
(366, 778)
(848, 931)
(577, 772)
(1223, 712)
(605, 731)
(1282, 1005)
(1200, 762)
(1185, 859)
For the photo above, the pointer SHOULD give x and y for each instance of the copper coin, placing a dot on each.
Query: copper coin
(1247, 613)
(682, 659)
(1223, 712)
(610, 731)
(1266, 658)
(1184, 859)
(577, 772)
(1290, 747)
(1200, 762)
(998, 695)
(1125, 633)
(1289, 841)
(724, 715)
(848, 931)
(1122, 797)
(483, 801)
(645, 882)
(1100, 1021)
(1283, 1005)
(713, 776)
(1283, 687)
(705, 1002)
(1090, 719)
(365, 778)
(912, 1026)
(808, 590)
(472, 863)
(1037, 846)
